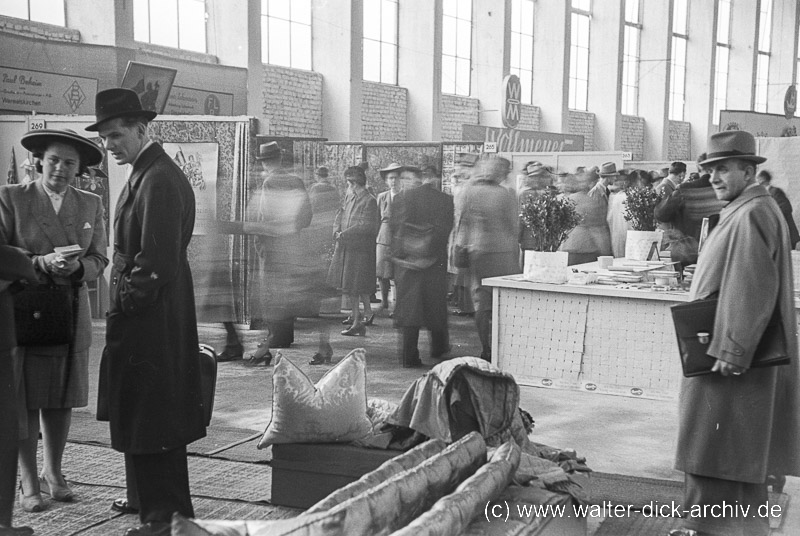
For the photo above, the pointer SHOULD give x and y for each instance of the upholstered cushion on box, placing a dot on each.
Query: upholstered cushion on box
(322, 524)
(333, 410)
(452, 513)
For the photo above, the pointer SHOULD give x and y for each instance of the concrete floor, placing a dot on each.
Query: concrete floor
(615, 434)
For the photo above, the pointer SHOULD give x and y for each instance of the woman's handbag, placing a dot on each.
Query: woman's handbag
(694, 326)
(45, 315)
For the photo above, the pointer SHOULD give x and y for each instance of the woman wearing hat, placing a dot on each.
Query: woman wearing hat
(38, 217)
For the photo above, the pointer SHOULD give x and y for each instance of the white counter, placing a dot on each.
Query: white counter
(593, 338)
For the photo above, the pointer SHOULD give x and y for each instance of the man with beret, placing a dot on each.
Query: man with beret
(740, 424)
(150, 385)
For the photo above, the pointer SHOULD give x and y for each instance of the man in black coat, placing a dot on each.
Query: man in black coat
(149, 388)
(421, 221)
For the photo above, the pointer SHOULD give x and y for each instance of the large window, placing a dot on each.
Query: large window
(380, 41)
(630, 58)
(456, 46)
(677, 78)
(762, 63)
(721, 61)
(47, 11)
(286, 33)
(522, 46)
(579, 55)
(171, 23)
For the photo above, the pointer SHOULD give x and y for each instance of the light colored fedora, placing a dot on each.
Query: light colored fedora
(732, 144)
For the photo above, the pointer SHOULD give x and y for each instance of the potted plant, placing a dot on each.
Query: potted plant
(640, 204)
(550, 218)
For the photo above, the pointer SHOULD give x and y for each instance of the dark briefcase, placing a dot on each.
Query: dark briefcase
(694, 327)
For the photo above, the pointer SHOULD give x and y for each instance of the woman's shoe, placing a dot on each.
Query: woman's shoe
(261, 355)
(320, 358)
(348, 320)
(355, 330)
(232, 352)
(59, 492)
(31, 503)
(368, 321)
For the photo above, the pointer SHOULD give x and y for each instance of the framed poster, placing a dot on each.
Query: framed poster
(152, 83)
(199, 163)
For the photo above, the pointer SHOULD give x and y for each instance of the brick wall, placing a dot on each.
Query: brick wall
(39, 30)
(633, 136)
(680, 141)
(530, 118)
(384, 112)
(292, 101)
(582, 123)
(457, 111)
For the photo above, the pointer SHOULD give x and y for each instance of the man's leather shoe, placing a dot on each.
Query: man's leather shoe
(154, 528)
(122, 506)
(15, 531)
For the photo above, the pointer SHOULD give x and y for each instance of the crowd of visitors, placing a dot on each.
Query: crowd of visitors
(310, 243)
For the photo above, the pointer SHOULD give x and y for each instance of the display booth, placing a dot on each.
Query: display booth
(215, 152)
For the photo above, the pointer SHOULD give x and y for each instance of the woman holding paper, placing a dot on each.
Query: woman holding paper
(61, 229)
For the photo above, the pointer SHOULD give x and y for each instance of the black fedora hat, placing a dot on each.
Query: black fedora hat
(37, 141)
(117, 102)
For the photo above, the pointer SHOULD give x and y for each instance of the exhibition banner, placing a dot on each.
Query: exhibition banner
(189, 101)
(25, 90)
(511, 140)
(759, 124)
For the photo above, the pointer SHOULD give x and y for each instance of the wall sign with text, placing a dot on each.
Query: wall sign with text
(34, 91)
(190, 101)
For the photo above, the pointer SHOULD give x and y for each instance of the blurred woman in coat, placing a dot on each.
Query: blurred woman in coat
(385, 268)
(490, 230)
(353, 266)
(37, 217)
(591, 238)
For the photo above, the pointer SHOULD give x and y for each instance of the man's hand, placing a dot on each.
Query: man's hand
(726, 369)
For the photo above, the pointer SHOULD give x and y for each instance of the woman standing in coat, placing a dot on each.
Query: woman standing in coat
(353, 266)
(591, 238)
(383, 251)
(38, 217)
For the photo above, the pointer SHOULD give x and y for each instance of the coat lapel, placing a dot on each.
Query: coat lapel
(140, 166)
(47, 218)
(68, 216)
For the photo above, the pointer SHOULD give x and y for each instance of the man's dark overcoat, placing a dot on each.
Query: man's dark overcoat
(422, 294)
(149, 375)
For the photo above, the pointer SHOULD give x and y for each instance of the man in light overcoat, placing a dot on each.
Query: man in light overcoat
(740, 424)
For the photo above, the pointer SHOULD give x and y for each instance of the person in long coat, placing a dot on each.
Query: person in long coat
(421, 278)
(764, 178)
(353, 266)
(591, 238)
(385, 267)
(490, 230)
(150, 383)
(740, 424)
(38, 217)
(14, 266)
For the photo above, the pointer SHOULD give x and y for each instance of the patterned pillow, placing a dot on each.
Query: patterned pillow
(333, 410)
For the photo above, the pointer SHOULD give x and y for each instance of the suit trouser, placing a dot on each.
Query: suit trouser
(159, 484)
(711, 494)
(440, 343)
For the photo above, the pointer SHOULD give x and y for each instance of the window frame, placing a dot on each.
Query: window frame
(720, 96)
(62, 20)
(177, 33)
(381, 42)
(525, 75)
(306, 63)
(677, 99)
(630, 67)
(763, 57)
(456, 58)
(574, 49)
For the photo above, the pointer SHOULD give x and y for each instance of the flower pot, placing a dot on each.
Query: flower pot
(546, 266)
(639, 243)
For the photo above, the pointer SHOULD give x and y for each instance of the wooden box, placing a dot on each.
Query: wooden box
(305, 473)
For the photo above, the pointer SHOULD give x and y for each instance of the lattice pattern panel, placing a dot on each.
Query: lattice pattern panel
(631, 342)
(541, 335)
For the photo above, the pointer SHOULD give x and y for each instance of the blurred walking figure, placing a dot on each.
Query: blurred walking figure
(353, 266)
(276, 214)
(489, 228)
(385, 268)
(462, 293)
(764, 178)
(422, 218)
(591, 238)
